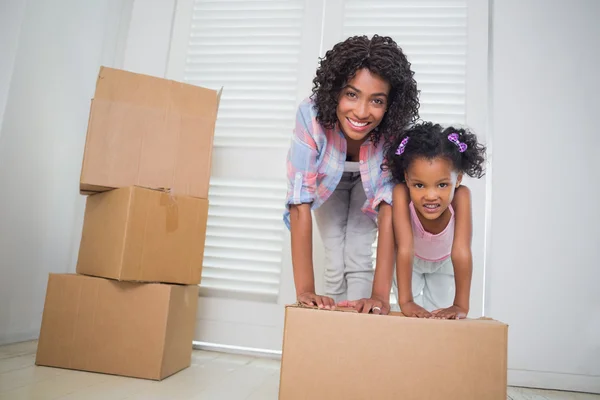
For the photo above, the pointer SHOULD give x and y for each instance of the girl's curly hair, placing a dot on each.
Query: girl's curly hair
(381, 56)
(430, 141)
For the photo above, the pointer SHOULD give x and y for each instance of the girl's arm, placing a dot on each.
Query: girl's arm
(462, 259)
(404, 257)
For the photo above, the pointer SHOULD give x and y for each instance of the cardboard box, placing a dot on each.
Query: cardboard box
(345, 355)
(149, 132)
(122, 328)
(137, 234)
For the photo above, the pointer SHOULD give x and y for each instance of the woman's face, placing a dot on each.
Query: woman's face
(362, 104)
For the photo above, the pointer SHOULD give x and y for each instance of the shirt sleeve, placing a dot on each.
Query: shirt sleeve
(302, 160)
(385, 188)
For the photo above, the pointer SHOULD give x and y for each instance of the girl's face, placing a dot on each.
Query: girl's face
(362, 104)
(431, 184)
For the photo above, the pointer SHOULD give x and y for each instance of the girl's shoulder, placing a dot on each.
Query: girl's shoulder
(400, 195)
(462, 194)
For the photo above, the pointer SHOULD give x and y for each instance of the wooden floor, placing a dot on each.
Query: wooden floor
(215, 376)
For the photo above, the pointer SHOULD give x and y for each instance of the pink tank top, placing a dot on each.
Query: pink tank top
(431, 247)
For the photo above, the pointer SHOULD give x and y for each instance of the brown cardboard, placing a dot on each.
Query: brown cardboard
(346, 355)
(138, 234)
(121, 328)
(150, 132)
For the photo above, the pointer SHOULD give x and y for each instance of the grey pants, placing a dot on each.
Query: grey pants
(348, 236)
(432, 283)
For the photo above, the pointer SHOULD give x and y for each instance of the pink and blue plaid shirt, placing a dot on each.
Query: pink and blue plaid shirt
(315, 165)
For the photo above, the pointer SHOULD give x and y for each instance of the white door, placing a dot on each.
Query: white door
(264, 54)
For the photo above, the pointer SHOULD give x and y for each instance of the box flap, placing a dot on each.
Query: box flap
(394, 314)
(145, 91)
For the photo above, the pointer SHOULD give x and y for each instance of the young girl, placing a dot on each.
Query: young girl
(364, 94)
(436, 226)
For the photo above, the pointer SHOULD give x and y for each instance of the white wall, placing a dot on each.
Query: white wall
(543, 269)
(60, 49)
(11, 16)
(149, 37)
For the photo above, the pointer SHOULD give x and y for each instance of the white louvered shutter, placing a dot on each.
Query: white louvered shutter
(243, 251)
(252, 49)
(433, 35)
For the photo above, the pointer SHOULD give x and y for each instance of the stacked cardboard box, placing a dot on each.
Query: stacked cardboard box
(131, 308)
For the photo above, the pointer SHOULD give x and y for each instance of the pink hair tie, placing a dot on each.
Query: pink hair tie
(453, 137)
(402, 146)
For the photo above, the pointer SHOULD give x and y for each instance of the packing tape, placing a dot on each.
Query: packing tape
(169, 201)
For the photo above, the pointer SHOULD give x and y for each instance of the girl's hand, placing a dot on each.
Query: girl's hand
(365, 306)
(412, 309)
(312, 299)
(453, 312)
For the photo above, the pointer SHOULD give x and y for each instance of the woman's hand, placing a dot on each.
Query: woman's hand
(366, 306)
(312, 299)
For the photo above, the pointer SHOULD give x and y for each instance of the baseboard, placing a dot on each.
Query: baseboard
(248, 351)
(553, 380)
(10, 338)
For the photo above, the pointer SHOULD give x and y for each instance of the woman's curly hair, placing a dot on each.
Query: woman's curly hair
(430, 141)
(381, 56)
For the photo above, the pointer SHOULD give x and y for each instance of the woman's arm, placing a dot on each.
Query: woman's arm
(301, 232)
(382, 283)
(302, 263)
(404, 243)
(302, 177)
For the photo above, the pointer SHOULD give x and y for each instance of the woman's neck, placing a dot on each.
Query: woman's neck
(353, 149)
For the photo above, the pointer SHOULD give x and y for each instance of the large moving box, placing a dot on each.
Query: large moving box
(350, 356)
(131, 329)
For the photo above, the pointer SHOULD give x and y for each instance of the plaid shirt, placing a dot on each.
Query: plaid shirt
(315, 164)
